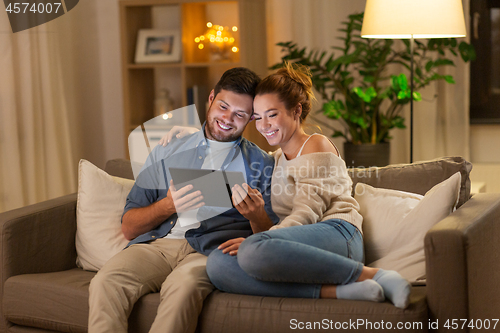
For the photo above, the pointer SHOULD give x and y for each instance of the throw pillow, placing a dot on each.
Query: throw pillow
(101, 199)
(395, 224)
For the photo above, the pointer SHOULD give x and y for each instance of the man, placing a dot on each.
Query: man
(169, 243)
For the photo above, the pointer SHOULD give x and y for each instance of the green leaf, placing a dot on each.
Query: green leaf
(432, 44)
(428, 65)
(467, 51)
(402, 81)
(371, 93)
(394, 82)
(417, 96)
(402, 94)
(449, 79)
(399, 122)
(358, 91)
(443, 62)
(330, 64)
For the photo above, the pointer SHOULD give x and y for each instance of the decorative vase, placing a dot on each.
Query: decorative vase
(366, 154)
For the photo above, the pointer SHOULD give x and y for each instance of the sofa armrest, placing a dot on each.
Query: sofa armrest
(38, 238)
(462, 259)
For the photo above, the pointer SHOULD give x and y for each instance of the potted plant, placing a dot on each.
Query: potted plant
(358, 92)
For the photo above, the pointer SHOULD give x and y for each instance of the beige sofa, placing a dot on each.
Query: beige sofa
(42, 290)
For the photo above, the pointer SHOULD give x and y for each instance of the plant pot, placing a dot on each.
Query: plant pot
(366, 154)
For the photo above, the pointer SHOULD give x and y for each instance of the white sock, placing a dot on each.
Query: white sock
(367, 290)
(395, 287)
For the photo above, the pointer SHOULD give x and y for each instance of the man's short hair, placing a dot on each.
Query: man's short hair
(239, 80)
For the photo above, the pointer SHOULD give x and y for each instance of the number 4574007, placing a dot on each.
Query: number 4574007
(48, 8)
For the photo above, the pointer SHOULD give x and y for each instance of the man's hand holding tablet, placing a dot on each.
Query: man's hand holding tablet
(214, 185)
(182, 201)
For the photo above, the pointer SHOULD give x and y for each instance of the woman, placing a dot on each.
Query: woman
(316, 250)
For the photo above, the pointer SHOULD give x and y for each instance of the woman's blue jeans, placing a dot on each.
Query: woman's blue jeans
(291, 262)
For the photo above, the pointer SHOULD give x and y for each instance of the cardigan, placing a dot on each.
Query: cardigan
(312, 188)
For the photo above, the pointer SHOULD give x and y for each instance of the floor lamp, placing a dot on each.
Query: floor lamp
(412, 19)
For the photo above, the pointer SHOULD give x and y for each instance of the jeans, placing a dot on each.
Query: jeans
(291, 262)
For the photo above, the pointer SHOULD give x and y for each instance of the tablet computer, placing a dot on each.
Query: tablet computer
(214, 185)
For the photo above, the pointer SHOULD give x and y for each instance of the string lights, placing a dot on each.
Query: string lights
(219, 40)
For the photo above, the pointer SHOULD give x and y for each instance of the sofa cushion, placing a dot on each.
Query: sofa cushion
(223, 312)
(394, 233)
(59, 301)
(101, 199)
(56, 301)
(418, 177)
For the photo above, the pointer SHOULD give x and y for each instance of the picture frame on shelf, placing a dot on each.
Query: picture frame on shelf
(158, 46)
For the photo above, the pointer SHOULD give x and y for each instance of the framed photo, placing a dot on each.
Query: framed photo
(158, 46)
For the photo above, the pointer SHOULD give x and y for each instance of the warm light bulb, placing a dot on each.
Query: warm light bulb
(231, 40)
(234, 49)
(197, 39)
(220, 28)
(201, 46)
(226, 39)
(219, 33)
(235, 28)
(209, 24)
(202, 38)
(212, 39)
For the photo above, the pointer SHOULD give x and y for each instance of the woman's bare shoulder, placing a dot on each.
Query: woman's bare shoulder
(319, 144)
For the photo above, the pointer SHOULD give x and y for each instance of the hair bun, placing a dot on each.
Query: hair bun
(298, 73)
(293, 85)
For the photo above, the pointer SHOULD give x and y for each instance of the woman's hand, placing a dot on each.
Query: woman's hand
(251, 205)
(231, 246)
(178, 132)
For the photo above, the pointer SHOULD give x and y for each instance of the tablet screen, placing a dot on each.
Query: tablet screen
(214, 185)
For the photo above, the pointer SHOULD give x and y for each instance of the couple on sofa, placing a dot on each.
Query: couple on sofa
(293, 233)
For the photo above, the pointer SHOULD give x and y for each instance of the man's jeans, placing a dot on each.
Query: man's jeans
(291, 262)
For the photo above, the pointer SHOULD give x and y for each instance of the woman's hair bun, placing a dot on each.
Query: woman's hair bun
(297, 72)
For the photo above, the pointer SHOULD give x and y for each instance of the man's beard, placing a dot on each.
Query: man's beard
(213, 132)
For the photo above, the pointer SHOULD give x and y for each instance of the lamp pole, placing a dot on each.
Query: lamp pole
(411, 99)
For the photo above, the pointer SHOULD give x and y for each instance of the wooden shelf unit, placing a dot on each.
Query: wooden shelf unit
(142, 82)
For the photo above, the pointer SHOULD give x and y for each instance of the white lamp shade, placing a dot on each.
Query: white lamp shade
(400, 19)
